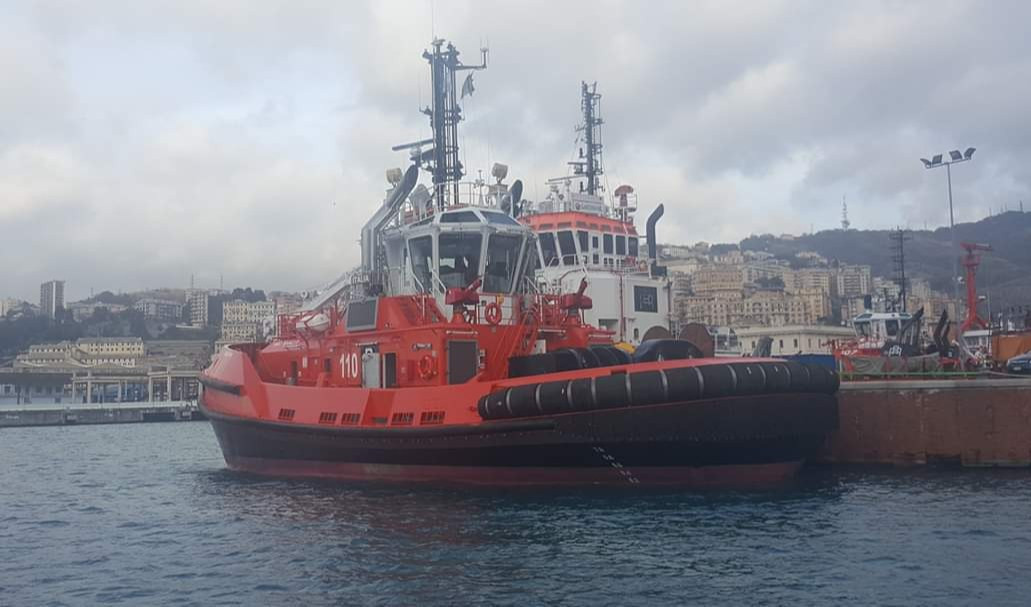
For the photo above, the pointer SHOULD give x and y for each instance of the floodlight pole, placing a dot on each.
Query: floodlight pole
(952, 237)
(936, 163)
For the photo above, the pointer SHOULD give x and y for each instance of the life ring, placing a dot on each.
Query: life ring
(427, 367)
(492, 313)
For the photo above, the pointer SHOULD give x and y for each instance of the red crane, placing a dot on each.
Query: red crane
(970, 262)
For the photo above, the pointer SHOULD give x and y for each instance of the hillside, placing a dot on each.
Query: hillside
(1005, 273)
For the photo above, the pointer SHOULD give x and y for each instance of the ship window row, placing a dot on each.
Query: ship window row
(560, 248)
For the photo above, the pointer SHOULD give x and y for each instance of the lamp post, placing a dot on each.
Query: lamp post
(936, 162)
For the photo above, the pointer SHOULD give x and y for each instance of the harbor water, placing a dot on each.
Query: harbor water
(147, 514)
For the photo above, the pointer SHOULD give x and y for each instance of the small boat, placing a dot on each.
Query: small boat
(440, 360)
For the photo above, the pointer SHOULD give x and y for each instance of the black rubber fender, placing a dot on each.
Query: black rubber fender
(822, 379)
(778, 378)
(605, 356)
(522, 401)
(581, 394)
(665, 349)
(566, 360)
(611, 391)
(493, 405)
(552, 397)
(534, 364)
(683, 384)
(588, 358)
(717, 380)
(622, 356)
(750, 378)
(647, 388)
(799, 375)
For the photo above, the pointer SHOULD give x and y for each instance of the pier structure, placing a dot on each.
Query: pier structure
(53, 386)
(981, 422)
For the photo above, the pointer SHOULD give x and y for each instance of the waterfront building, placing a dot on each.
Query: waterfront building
(51, 297)
(794, 339)
(118, 346)
(87, 352)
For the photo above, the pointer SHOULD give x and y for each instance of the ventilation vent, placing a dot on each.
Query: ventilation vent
(350, 419)
(327, 417)
(431, 417)
(402, 419)
(286, 414)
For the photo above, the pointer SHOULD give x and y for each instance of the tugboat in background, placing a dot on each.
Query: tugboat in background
(439, 360)
(581, 235)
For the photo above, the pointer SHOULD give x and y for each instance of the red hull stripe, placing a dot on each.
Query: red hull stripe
(749, 475)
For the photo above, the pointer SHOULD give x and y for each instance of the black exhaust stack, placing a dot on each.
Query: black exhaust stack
(653, 253)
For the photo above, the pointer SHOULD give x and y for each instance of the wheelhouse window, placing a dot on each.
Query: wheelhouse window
(631, 246)
(568, 247)
(420, 251)
(606, 241)
(499, 218)
(459, 258)
(892, 326)
(594, 242)
(584, 239)
(531, 262)
(549, 253)
(459, 217)
(502, 259)
(620, 245)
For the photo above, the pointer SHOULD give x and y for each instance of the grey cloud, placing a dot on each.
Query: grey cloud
(250, 138)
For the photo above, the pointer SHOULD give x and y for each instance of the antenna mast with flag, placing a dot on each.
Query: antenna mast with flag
(445, 114)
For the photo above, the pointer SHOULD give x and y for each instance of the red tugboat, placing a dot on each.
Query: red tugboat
(439, 361)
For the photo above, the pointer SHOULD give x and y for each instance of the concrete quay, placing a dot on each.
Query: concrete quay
(106, 413)
(970, 423)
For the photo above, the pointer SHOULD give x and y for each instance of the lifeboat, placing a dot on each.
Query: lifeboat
(440, 360)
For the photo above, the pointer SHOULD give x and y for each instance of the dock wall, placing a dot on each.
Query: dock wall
(984, 422)
(113, 413)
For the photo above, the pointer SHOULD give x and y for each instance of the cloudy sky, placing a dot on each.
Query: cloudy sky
(145, 142)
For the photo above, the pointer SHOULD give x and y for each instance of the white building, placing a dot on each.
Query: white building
(160, 309)
(246, 322)
(794, 339)
(198, 302)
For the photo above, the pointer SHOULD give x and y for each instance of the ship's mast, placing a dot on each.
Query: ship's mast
(590, 165)
(445, 114)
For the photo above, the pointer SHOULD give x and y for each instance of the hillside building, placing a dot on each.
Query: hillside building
(51, 297)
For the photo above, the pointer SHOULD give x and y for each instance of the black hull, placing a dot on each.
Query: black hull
(742, 440)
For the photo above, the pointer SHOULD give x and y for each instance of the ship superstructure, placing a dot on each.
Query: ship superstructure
(585, 234)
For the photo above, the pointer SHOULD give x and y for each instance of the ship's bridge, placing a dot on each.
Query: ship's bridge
(455, 247)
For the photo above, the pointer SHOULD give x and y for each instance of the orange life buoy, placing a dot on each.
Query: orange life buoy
(427, 367)
(492, 313)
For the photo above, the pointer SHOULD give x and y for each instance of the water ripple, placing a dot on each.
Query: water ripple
(148, 514)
